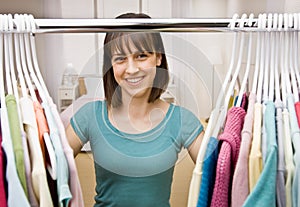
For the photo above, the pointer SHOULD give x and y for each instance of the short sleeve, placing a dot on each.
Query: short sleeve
(191, 127)
(81, 121)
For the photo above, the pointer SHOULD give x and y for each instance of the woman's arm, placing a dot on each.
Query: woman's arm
(195, 146)
(74, 140)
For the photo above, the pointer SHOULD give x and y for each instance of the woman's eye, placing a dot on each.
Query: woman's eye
(142, 56)
(118, 59)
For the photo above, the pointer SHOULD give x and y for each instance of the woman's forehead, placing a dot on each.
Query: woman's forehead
(130, 44)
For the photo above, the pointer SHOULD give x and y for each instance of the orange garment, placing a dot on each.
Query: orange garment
(42, 126)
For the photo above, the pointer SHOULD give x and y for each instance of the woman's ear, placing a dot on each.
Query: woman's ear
(158, 59)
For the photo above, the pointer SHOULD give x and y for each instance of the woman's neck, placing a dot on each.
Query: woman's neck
(137, 115)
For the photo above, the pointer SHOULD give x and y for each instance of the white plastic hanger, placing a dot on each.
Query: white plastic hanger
(246, 75)
(196, 177)
(293, 23)
(257, 57)
(2, 91)
(276, 57)
(35, 60)
(296, 52)
(23, 58)
(12, 67)
(52, 167)
(17, 57)
(286, 54)
(262, 61)
(6, 56)
(270, 94)
(272, 60)
(223, 112)
(281, 54)
(267, 59)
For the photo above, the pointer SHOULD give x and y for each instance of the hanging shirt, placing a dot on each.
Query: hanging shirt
(15, 132)
(3, 200)
(15, 192)
(297, 108)
(208, 173)
(295, 132)
(264, 192)
(32, 199)
(228, 156)
(289, 162)
(77, 197)
(134, 169)
(44, 138)
(255, 157)
(63, 189)
(39, 179)
(240, 183)
(280, 186)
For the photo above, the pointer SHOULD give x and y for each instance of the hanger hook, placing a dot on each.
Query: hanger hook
(285, 21)
(275, 21)
(233, 21)
(33, 25)
(250, 20)
(296, 22)
(27, 23)
(270, 21)
(243, 20)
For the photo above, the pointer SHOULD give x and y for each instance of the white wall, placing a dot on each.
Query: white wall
(55, 51)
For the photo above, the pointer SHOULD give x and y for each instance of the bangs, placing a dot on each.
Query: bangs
(124, 43)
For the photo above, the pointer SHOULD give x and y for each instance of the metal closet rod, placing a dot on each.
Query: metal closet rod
(161, 25)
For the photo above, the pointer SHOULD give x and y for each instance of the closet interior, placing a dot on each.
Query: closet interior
(260, 87)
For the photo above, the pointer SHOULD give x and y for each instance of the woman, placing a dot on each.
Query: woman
(135, 136)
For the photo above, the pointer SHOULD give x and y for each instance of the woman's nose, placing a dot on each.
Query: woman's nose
(132, 66)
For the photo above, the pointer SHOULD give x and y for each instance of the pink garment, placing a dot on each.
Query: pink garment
(228, 156)
(240, 183)
(77, 198)
(3, 200)
(297, 109)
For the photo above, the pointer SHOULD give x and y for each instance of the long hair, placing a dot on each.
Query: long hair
(142, 41)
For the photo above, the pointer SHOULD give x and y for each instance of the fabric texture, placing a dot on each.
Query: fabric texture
(130, 172)
(295, 134)
(297, 109)
(3, 200)
(264, 192)
(74, 184)
(228, 155)
(14, 187)
(15, 131)
(280, 184)
(38, 176)
(255, 157)
(289, 162)
(209, 173)
(240, 183)
(63, 189)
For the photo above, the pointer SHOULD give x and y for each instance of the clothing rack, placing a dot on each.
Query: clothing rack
(161, 25)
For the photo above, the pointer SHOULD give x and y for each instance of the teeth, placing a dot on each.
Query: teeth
(134, 80)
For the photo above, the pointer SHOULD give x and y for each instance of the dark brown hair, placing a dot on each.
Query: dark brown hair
(142, 41)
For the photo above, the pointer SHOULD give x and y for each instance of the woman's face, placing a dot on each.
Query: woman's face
(135, 71)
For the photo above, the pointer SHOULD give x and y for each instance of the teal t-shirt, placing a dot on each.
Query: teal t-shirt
(134, 170)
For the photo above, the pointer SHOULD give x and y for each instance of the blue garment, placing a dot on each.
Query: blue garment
(209, 173)
(63, 190)
(280, 186)
(264, 193)
(134, 169)
(295, 134)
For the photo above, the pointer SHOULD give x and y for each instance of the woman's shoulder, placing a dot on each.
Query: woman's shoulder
(92, 106)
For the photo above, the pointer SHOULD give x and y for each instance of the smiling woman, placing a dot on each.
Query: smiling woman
(135, 136)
